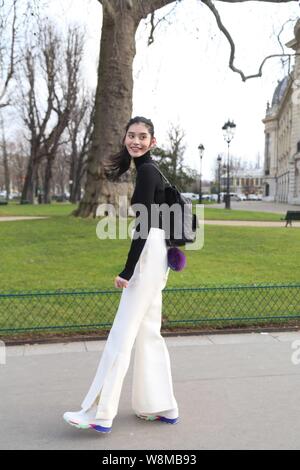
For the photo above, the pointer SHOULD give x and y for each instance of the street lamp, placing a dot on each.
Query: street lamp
(228, 132)
(201, 150)
(219, 159)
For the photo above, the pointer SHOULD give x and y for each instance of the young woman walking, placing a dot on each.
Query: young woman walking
(138, 318)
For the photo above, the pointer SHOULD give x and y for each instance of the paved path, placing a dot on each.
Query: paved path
(235, 391)
(18, 217)
(249, 223)
(260, 206)
(238, 223)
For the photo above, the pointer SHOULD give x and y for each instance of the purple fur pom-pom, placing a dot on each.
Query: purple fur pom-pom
(176, 259)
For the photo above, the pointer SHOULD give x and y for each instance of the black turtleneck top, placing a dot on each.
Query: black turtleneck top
(149, 189)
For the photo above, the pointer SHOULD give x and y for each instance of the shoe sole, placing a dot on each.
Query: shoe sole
(89, 426)
(159, 418)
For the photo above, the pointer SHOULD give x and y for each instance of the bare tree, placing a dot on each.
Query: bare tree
(61, 171)
(8, 37)
(170, 158)
(64, 104)
(12, 163)
(19, 160)
(52, 71)
(113, 105)
(5, 161)
(177, 147)
(80, 131)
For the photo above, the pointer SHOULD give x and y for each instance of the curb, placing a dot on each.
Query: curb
(165, 333)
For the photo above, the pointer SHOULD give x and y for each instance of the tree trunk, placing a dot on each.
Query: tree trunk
(48, 180)
(113, 106)
(77, 196)
(77, 171)
(73, 188)
(73, 171)
(6, 167)
(29, 187)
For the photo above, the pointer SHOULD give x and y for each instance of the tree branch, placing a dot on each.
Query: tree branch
(269, 1)
(154, 26)
(281, 30)
(11, 68)
(150, 6)
(222, 28)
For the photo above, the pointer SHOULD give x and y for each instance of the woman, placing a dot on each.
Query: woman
(138, 319)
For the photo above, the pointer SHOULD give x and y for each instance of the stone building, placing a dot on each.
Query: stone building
(247, 182)
(282, 135)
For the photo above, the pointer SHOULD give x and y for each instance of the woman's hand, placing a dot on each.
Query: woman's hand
(120, 282)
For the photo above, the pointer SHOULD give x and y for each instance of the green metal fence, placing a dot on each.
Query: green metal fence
(91, 309)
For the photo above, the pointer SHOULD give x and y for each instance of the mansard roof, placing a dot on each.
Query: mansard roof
(279, 91)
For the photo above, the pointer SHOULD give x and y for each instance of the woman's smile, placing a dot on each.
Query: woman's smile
(138, 139)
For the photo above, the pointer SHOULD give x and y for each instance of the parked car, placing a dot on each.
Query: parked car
(242, 197)
(234, 196)
(192, 196)
(14, 195)
(59, 197)
(252, 197)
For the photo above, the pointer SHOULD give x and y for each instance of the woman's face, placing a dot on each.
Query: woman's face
(138, 140)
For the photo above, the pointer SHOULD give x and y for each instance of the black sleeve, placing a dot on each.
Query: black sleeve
(146, 181)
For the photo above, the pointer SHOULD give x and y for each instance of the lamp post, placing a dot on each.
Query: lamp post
(201, 150)
(219, 159)
(70, 189)
(228, 132)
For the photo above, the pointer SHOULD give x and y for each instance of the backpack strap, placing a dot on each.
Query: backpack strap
(154, 164)
(166, 179)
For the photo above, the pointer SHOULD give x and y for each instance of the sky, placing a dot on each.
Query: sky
(183, 78)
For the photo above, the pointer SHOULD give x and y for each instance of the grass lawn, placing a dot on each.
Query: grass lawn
(234, 214)
(57, 209)
(63, 253)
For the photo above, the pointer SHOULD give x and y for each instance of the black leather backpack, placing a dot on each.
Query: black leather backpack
(183, 224)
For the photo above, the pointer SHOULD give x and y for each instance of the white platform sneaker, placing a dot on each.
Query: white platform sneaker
(168, 416)
(86, 420)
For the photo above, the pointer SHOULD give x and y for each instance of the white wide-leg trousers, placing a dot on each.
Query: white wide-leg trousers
(138, 320)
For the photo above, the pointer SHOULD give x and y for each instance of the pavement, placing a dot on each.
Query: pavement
(250, 223)
(238, 223)
(261, 206)
(19, 217)
(234, 391)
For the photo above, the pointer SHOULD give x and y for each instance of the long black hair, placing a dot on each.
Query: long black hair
(118, 163)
